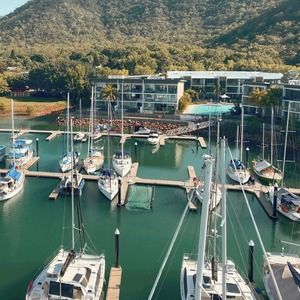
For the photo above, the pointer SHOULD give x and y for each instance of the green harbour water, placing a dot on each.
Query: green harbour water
(31, 224)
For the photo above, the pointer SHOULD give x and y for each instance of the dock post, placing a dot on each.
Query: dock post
(119, 191)
(250, 262)
(247, 157)
(117, 247)
(198, 133)
(135, 150)
(275, 201)
(37, 146)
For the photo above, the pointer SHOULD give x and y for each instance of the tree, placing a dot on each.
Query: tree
(256, 97)
(3, 85)
(184, 101)
(194, 94)
(110, 94)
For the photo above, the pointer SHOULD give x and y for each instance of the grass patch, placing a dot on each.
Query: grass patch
(31, 108)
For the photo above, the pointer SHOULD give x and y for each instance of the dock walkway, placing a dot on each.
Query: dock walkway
(114, 284)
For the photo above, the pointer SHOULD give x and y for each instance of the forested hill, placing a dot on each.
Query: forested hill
(66, 21)
(259, 25)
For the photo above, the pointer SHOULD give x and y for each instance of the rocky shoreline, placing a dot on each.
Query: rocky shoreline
(130, 125)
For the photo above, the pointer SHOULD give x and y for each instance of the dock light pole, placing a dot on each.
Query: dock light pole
(57, 123)
(135, 149)
(117, 247)
(120, 190)
(198, 129)
(37, 146)
(274, 215)
(247, 157)
(250, 261)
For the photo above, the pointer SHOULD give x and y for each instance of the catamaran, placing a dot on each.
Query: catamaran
(94, 161)
(108, 180)
(12, 183)
(68, 158)
(71, 274)
(121, 160)
(205, 279)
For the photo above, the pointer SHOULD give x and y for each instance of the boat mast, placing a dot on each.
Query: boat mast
(122, 116)
(263, 142)
(13, 131)
(242, 134)
(203, 226)
(80, 114)
(237, 141)
(224, 229)
(72, 191)
(285, 142)
(68, 124)
(272, 133)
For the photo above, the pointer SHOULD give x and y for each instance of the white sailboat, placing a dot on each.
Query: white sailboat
(121, 160)
(288, 204)
(265, 170)
(80, 136)
(74, 180)
(286, 269)
(204, 279)
(20, 152)
(13, 182)
(108, 180)
(68, 158)
(94, 161)
(71, 274)
(237, 171)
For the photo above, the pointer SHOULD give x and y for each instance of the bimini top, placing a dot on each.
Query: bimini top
(262, 165)
(19, 143)
(14, 174)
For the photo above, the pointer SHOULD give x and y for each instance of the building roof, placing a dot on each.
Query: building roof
(228, 74)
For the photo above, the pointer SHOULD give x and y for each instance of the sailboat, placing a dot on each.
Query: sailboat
(12, 183)
(108, 180)
(94, 161)
(288, 204)
(237, 170)
(265, 170)
(71, 274)
(80, 136)
(204, 279)
(121, 160)
(286, 269)
(68, 158)
(74, 180)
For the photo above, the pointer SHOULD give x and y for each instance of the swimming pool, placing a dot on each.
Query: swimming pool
(206, 109)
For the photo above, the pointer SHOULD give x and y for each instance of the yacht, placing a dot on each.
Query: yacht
(153, 138)
(67, 182)
(94, 161)
(12, 183)
(288, 204)
(122, 163)
(286, 270)
(266, 172)
(238, 172)
(108, 183)
(121, 160)
(21, 152)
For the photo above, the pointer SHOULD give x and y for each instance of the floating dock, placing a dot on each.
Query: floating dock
(53, 135)
(202, 142)
(55, 193)
(31, 162)
(114, 284)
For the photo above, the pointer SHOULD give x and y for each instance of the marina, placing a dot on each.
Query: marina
(144, 171)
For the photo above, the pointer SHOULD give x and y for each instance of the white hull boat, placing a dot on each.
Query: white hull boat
(67, 183)
(238, 172)
(65, 164)
(122, 163)
(108, 184)
(153, 138)
(21, 152)
(11, 184)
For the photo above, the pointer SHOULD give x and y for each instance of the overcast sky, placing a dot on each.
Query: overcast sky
(7, 6)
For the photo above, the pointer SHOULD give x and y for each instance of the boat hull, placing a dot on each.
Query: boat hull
(18, 188)
(122, 166)
(242, 176)
(109, 188)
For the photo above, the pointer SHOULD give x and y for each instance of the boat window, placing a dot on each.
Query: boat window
(77, 277)
(206, 281)
(61, 289)
(232, 288)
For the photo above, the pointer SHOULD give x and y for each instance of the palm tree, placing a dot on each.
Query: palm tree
(109, 93)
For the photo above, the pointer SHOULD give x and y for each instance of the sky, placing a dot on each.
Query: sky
(7, 6)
